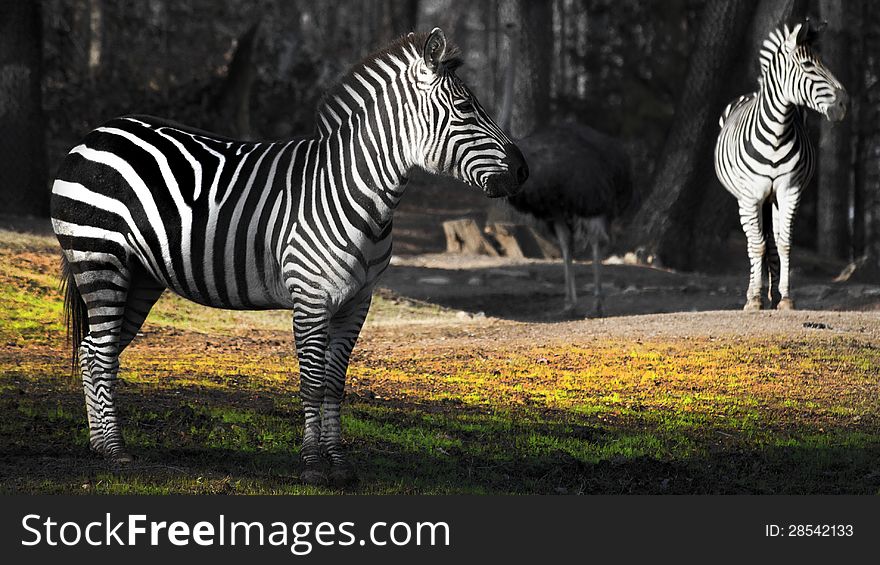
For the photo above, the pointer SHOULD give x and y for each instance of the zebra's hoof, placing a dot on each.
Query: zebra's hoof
(785, 304)
(313, 476)
(752, 305)
(121, 458)
(342, 476)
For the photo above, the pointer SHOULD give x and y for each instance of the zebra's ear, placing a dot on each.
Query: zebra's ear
(813, 32)
(794, 37)
(435, 49)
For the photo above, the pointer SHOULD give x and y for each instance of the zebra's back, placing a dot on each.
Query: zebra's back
(192, 208)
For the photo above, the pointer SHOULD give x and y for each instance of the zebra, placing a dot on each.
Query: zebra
(764, 156)
(143, 205)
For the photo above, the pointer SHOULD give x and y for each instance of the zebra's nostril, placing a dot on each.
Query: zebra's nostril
(516, 163)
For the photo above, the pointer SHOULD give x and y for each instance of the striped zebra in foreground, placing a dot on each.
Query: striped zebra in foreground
(764, 156)
(305, 224)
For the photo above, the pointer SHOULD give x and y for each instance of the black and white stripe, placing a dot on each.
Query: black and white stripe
(764, 156)
(142, 205)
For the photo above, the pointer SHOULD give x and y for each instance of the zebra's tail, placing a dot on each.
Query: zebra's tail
(767, 218)
(76, 316)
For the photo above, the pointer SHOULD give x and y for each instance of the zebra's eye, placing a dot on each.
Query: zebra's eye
(465, 106)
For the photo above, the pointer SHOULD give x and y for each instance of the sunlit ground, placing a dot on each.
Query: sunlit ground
(437, 404)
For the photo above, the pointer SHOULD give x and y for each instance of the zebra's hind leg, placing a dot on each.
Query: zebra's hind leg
(99, 361)
(344, 330)
(115, 316)
(752, 224)
(142, 295)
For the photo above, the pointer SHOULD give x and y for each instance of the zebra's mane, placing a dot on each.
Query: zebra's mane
(776, 40)
(405, 48)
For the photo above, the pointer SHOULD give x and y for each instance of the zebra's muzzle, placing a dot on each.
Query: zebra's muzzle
(508, 183)
(836, 111)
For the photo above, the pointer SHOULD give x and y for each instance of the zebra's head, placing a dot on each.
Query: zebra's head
(458, 136)
(788, 60)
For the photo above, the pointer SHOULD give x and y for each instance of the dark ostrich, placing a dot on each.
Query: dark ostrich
(579, 182)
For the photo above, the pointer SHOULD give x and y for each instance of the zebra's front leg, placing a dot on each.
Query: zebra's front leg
(783, 218)
(344, 330)
(311, 347)
(752, 224)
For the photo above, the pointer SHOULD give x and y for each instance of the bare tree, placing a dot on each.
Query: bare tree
(232, 103)
(834, 141)
(22, 143)
(663, 226)
(398, 17)
(866, 157)
(533, 58)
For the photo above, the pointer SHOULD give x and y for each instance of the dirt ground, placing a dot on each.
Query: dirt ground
(468, 377)
(532, 290)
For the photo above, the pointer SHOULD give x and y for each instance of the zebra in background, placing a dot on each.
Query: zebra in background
(142, 205)
(764, 156)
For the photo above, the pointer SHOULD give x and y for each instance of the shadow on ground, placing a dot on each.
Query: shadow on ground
(533, 291)
(235, 442)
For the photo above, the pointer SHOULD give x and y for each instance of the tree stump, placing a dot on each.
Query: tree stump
(518, 241)
(463, 236)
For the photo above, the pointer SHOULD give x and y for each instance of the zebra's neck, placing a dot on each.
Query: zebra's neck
(369, 171)
(364, 132)
(773, 115)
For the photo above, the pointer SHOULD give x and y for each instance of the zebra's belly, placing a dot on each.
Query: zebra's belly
(267, 302)
(239, 290)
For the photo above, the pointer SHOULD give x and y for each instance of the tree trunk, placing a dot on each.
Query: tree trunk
(533, 61)
(860, 111)
(834, 142)
(22, 142)
(527, 62)
(866, 123)
(234, 99)
(663, 226)
(399, 17)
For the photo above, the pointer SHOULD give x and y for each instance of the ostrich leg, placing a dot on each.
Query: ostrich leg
(597, 311)
(563, 234)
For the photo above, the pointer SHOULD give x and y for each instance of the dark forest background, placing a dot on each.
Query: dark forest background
(654, 74)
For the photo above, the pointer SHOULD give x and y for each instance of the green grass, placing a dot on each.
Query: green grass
(209, 405)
